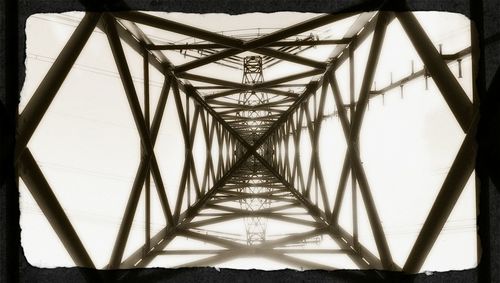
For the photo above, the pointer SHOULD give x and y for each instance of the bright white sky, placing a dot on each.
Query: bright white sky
(88, 147)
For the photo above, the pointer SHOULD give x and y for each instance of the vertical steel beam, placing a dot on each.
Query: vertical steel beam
(228, 152)
(185, 134)
(147, 185)
(311, 138)
(344, 174)
(354, 129)
(220, 140)
(48, 88)
(317, 131)
(296, 156)
(127, 220)
(163, 237)
(371, 66)
(146, 142)
(286, 130)
(138, 182)
(299, 162)
(206, 173)
(352, 109)
(374, 219)
(319, 216)
(128, 216)
(353, 156)
(194, 126)
(211, 125)
(188, 151)
(160, 109)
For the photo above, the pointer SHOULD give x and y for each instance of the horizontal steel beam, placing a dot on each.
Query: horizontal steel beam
(238, 45)
(267, 84)
(256, 251)
(202, 46)
(163, 237)
(420, 73)
(340, 236)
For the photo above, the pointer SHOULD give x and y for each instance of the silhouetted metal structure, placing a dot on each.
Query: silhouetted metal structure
(251, 133)
(255, 225)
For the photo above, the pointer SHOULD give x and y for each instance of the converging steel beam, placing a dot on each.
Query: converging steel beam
(354, 130)
(44, 196)
(290, 58)
(463, 165)
(315, 164)
(275, 170)
(312, 86)
(379, 33)
(188, 147)
(146, 141)
(51, 83)
(337, 234)
(162, 238)
(265, 40)
(367, 260)
(236, 46)
(452, 92)
(450, 191)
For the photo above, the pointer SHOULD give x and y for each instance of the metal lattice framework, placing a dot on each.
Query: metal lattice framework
(255, 225)
(253, 159)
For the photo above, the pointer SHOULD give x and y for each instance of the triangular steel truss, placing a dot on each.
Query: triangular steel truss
(258, 159)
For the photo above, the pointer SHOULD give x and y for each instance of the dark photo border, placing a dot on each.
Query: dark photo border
(13, 15)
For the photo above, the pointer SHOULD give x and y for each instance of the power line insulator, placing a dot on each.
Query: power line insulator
(459, 68)
(426, 76)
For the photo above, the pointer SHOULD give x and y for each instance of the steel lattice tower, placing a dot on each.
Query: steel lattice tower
(255, 178)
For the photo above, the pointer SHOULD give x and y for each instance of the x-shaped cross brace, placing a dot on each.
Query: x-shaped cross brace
(450, 89)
